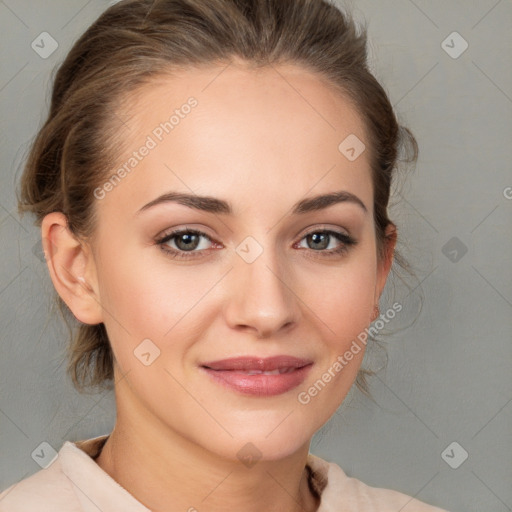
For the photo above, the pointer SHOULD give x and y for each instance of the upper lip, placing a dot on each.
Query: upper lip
(248, 363)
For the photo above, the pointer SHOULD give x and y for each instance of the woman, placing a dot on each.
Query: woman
(212, 186)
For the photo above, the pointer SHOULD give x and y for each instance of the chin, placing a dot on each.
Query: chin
(259, 449)
(265, 439)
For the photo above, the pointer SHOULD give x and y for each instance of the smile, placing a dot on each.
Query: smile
(258, 376)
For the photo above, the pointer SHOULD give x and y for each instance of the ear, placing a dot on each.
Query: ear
(72, 268)
(384, 265)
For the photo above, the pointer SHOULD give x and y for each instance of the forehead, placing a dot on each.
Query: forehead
(221, 130)
(235, 90)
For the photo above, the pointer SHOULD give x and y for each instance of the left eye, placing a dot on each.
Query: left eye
(324, 238)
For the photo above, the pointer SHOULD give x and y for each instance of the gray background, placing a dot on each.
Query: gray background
(448, 378)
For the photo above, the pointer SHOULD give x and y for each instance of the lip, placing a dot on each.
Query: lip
(237, 373)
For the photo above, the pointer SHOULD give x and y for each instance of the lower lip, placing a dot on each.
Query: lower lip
(259, 384)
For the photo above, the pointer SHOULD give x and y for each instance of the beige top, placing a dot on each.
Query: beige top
(74, 482)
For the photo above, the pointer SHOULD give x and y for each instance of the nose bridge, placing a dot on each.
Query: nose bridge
(261, 296)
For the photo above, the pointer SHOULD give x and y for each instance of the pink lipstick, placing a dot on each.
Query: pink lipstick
(258, 376)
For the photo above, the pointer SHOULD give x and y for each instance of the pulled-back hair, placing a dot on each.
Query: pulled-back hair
(135, 41)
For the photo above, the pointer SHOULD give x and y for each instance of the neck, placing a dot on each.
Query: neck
(161, 467)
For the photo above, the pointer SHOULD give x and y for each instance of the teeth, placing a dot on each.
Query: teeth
(273, 372)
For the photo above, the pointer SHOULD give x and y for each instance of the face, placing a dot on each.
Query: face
(250, 274)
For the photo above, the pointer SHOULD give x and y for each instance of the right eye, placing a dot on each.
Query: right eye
(186, 243)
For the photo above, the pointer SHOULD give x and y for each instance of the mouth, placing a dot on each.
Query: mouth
(259, 376)
(276, 364)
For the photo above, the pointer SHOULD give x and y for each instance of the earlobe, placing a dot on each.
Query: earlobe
(72, 268)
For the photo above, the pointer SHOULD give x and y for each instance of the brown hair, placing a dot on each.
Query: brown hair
(133, 42)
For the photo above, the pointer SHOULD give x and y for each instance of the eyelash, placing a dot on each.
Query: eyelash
(346, 242)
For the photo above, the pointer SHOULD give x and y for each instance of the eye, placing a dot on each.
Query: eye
(186, 243)
(321, 240)
(190, 243)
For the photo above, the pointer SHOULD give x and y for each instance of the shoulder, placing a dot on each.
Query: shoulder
(59, 486)
(341, 492)
(46, 490)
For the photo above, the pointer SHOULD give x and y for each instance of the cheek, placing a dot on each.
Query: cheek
(155, 301)
(342, 298)
(343, 306)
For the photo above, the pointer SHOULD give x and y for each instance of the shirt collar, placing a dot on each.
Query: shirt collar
(95, 488)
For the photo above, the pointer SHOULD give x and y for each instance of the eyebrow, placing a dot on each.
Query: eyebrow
(219, 206)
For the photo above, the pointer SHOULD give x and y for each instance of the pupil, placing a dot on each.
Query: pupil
(189, 242)
(319, 238)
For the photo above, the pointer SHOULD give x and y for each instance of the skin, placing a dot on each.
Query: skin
(261, 144)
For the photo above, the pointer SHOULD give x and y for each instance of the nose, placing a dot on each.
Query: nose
(261, 297)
